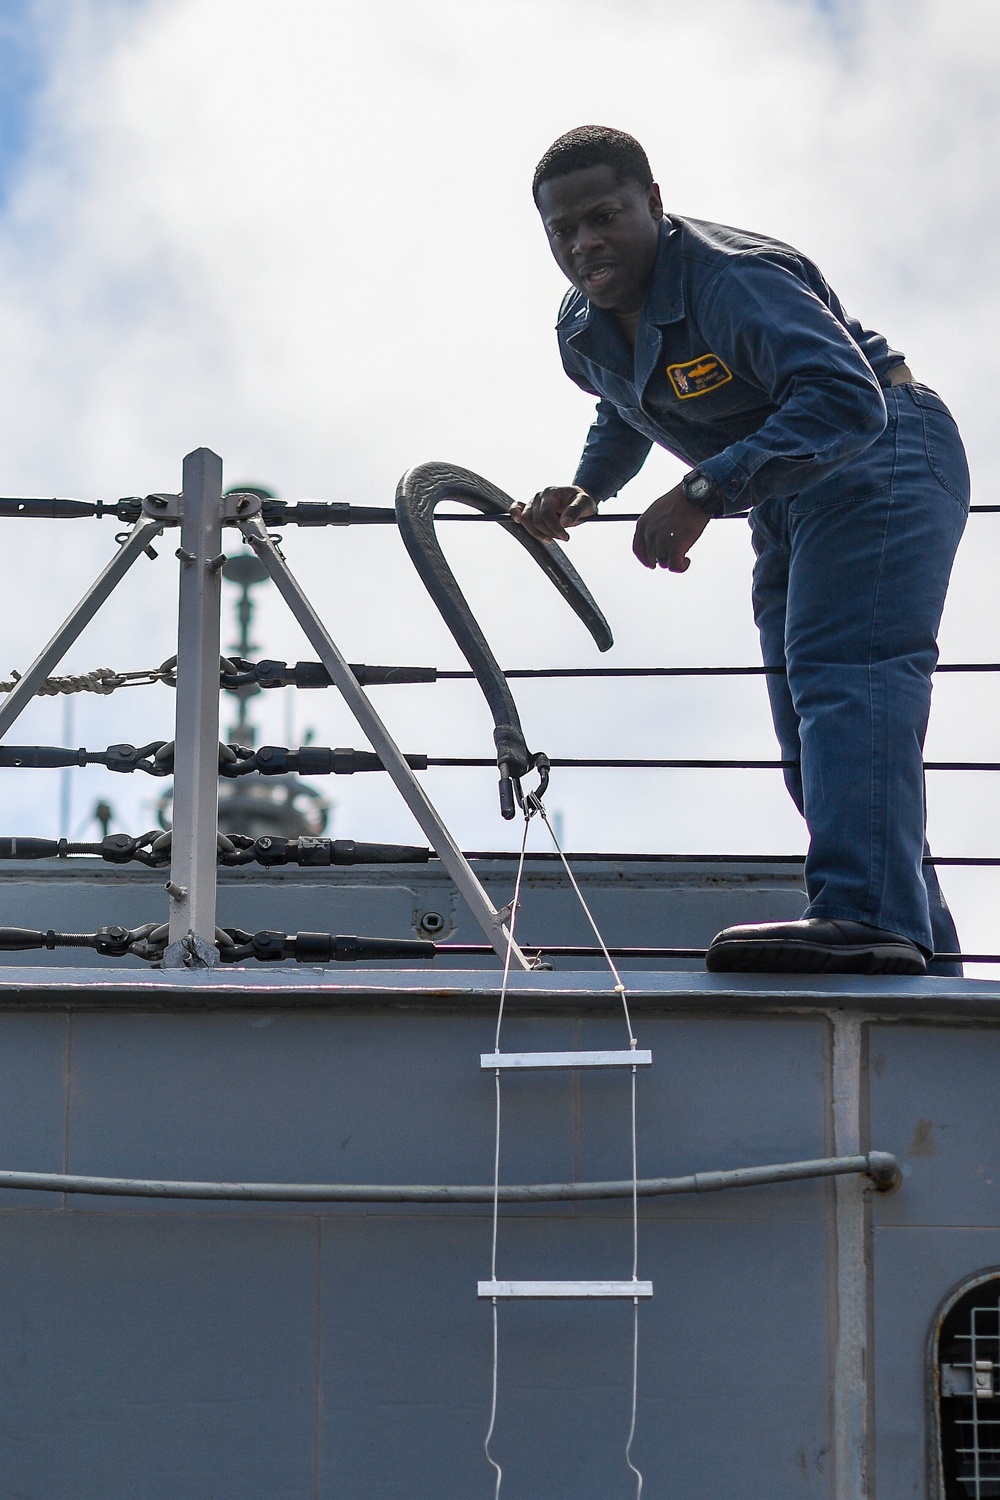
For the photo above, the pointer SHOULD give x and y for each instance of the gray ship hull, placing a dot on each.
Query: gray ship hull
(215, 1350)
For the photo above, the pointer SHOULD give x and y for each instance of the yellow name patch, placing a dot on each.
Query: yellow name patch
(696, 377)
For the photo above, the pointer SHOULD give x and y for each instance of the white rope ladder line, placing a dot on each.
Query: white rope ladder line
(619, 986)
(619, 990)
(635, 1301)
(529, 812)
(533, 804)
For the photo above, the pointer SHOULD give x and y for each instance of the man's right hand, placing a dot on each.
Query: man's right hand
(553, 510)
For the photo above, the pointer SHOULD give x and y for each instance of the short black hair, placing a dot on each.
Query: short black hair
(594, 146)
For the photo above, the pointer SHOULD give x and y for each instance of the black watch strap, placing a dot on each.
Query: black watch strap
(704, 493)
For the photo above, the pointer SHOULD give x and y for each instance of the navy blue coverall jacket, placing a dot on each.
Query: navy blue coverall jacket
(747, 367)
(745, 364)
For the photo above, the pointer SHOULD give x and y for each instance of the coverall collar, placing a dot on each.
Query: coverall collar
(598, 336)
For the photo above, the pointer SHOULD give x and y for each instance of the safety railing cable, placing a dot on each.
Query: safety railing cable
(153, 849)
(445, 675)
(307, 513)
(236, 673)
(689, 763)
(157, 759)
(266, 946)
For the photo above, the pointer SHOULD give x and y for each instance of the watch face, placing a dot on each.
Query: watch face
(698, 487)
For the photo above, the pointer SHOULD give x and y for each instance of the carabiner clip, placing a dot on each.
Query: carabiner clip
(529, 802)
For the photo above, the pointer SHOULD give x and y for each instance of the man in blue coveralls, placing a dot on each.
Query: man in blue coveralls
(731, 351)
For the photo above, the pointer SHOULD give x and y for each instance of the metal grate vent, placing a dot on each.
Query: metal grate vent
(967, 1367)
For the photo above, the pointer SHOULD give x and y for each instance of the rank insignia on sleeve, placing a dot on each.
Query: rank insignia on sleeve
(696, 377)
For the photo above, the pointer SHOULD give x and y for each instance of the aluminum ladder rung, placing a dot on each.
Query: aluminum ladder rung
(631, 1058)
(554, 1289)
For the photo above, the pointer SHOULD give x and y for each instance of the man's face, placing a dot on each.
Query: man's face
(603, 234)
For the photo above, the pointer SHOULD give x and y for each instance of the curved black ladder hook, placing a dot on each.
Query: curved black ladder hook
(419, 492)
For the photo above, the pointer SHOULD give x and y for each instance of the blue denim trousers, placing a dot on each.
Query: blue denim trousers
(848, 589)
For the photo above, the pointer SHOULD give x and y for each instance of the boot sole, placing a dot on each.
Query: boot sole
(781, 956)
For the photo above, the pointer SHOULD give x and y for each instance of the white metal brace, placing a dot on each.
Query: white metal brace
(551, 1290)
(631, 1058)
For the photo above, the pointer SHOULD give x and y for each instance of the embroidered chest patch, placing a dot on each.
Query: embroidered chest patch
(696, 377)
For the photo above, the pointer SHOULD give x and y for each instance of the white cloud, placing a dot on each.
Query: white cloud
(303, 236)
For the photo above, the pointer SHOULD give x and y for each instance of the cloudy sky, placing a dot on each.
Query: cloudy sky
(303, 236)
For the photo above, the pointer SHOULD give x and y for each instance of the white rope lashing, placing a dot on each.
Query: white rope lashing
(532, 805)
(102, 680)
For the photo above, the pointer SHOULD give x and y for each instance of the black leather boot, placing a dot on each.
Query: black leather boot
(814, 945)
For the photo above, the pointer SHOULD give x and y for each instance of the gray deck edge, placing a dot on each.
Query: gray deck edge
(889, 998)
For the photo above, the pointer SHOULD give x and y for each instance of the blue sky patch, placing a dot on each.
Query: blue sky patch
(22, 73)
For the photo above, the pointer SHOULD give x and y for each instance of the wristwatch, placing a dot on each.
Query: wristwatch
(703, 492)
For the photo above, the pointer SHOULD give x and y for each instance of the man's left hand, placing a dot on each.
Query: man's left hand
(667, 531)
